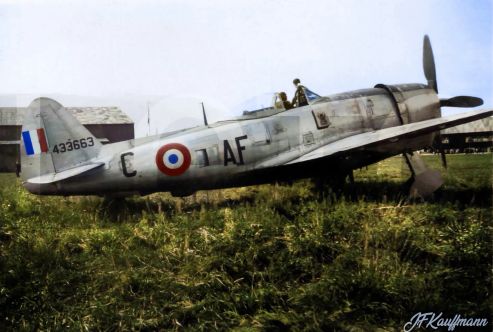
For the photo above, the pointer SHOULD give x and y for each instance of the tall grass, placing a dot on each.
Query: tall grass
(268, 257)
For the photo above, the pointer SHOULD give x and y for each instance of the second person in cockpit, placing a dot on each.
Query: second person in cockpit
(299, 98)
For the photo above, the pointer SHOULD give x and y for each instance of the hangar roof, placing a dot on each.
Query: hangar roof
(483, 125)
(8, 116)
(13, 116)
(99, 115)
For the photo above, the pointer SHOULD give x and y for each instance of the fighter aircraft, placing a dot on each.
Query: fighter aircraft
(327, 138)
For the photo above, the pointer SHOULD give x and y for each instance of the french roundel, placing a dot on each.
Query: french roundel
(173, 159)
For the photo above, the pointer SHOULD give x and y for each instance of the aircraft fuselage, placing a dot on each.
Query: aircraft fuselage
(247, 150)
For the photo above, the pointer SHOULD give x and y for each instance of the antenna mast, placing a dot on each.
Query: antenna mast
(205, 116)
(148, 119)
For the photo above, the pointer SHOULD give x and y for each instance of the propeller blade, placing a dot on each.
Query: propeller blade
(429, 64)
(438, 145)
(461, 101)
(444, 158)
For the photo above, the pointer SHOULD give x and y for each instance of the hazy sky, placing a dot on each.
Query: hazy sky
(178, 53)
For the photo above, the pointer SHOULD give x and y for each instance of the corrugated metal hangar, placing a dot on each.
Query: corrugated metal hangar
(476, 136)
(108, 124)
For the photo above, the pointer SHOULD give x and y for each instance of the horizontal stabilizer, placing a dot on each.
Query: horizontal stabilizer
(55, 177)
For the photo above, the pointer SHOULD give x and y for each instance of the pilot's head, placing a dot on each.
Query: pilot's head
(296, 81)
(283, 96)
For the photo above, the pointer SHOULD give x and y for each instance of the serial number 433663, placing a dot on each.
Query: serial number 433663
(76, 144)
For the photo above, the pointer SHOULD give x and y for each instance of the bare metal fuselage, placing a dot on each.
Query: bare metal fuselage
(256, 148)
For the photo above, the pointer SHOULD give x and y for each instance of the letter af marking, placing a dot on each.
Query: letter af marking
(229, 156)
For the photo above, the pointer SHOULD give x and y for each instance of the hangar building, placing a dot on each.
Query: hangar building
(476, 136)
(108, 124)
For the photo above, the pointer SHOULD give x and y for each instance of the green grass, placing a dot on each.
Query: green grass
(259, 258)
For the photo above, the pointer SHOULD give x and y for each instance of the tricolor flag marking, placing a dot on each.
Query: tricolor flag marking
(35, 141)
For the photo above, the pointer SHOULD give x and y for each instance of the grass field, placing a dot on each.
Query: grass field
(271, 257)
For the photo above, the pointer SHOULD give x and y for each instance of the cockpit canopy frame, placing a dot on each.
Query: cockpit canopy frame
(268, 104)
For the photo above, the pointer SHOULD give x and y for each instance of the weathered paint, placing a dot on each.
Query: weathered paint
(240, 148)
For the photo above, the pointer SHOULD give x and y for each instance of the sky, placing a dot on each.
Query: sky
(169, 56)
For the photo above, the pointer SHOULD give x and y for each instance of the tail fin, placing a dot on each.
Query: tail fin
(54, 142)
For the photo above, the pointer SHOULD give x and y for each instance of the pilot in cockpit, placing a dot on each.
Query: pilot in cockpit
(299, 98)
(284, 100)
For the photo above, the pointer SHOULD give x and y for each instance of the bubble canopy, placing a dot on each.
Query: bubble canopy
(260, 102)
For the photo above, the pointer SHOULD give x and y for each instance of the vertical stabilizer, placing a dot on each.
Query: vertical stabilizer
(53, 140)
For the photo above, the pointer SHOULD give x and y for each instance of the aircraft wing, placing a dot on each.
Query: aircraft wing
(391, 135)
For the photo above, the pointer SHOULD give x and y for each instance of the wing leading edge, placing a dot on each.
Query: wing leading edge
(393, 134)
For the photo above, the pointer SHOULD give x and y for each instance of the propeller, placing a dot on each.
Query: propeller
(459, 101)
(437, 144)
(429, 64)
